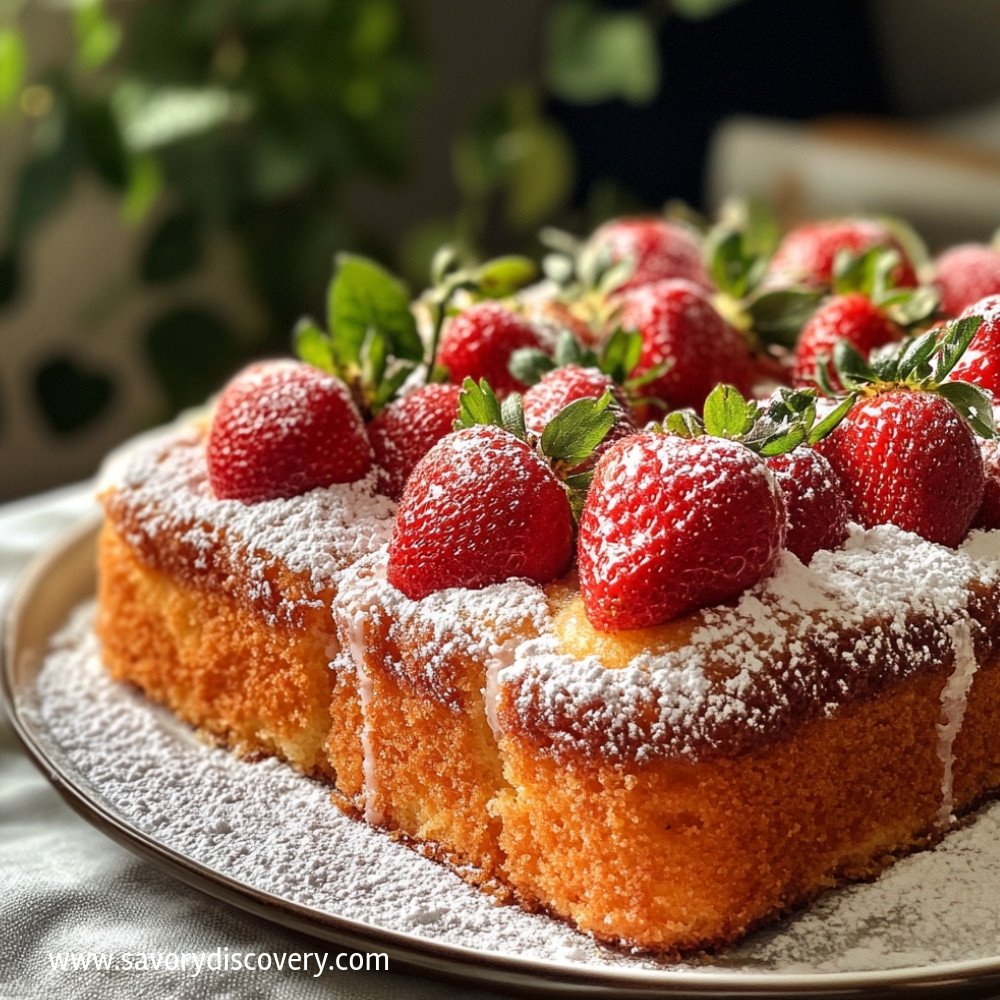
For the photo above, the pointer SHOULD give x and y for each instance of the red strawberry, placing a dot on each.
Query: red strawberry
(478, 343)
(659, 249)
(966, 274)
(988, 515)
(682, 330)
(806, 254)
(852, 317)
(981, 362)
(480, 507)
(561, 386)
(283, 428)
(906, 457)
(407, 429)
(814, 500)
(674, 524)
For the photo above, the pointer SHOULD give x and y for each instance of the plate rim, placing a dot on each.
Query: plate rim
(450, 962)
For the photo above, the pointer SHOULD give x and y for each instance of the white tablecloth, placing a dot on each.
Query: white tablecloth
(65, 888)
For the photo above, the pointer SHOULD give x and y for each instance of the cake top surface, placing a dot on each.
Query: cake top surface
(158, 495)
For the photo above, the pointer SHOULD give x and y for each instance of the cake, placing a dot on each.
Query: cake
(709, 702)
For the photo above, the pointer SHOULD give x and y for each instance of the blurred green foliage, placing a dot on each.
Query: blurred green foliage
(251, 118)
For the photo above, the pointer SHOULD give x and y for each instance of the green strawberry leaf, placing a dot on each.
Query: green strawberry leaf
(953, 344)
(621, 354)
(496, 279)
(728, 265)
(512, 416)
(577, 429)
(782, 442)
(313, 346)
(364, 295)
(973, 404)
(684, 423)
(570, 352)
(911, 306)
(392, 381)
(529, 364)
(778, 316)
(830, 421)
(478, 404)
(851, 366)
(915, 360)
(373, 357)
(727, 414)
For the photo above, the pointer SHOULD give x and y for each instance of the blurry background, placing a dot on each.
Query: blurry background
(175, 178)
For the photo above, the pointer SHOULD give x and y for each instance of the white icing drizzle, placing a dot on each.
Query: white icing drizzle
(954, 698)
(356, 640)
(500, 656)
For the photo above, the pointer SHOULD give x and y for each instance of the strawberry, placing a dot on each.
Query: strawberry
(814, 501)
(671, 525)
(980, 364)
(480, 507)
(966, 274)
(561, 386)
(656, 248)
(483, 505)
(403, 432)
(807, 254)
(988, 515)
(908, 458)
(681, 331)
(852, 317)
(681, 520)
(906, 454)
(478, 343)
(283, 428)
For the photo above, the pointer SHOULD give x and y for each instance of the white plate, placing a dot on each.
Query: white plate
(267, 840)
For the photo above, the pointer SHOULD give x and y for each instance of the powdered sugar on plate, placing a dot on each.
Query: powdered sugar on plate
(269, 828)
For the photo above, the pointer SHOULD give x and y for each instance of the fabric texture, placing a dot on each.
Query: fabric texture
(66, 888)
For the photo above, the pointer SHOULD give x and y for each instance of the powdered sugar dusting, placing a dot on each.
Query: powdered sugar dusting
(271, 828)
(161, 491)
(797, 645)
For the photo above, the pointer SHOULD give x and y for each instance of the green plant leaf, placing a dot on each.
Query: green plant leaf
(97, 36)
(698, 10)
(70, 395)
(13, 66)
(364, 295)
(596, 55)
(577, 429)
(973, 404)
(175, 248)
